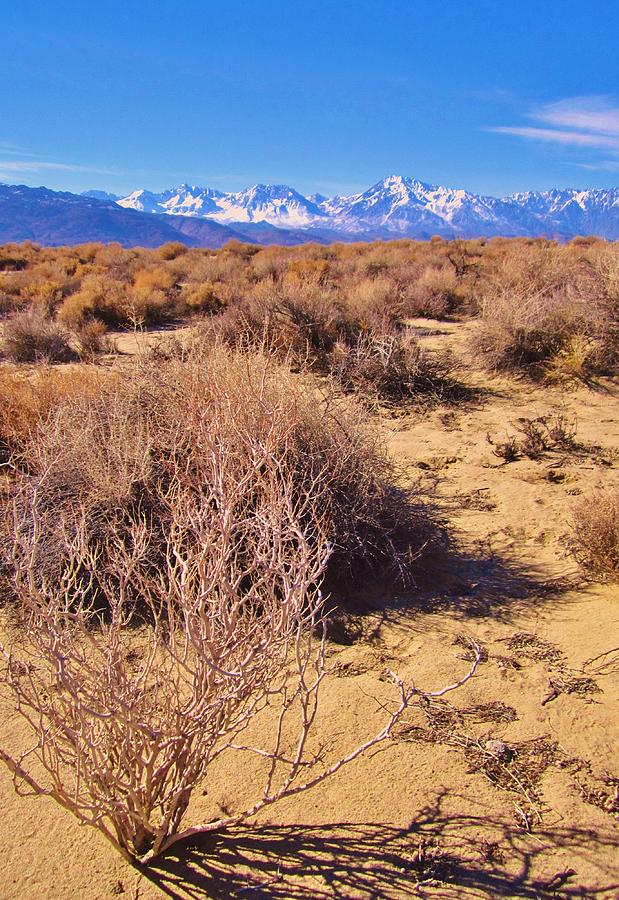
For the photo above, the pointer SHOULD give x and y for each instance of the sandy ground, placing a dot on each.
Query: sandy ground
(433, 813)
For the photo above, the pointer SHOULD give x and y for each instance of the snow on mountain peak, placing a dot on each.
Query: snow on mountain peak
(396, 206)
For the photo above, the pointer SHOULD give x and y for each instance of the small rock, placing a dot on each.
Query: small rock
(500, 750)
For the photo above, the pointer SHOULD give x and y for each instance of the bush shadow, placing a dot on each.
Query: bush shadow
(465, 583)
(438, 855)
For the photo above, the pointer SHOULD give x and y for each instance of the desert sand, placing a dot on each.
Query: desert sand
(437, 811)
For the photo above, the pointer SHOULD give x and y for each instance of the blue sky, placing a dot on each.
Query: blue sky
(326, 96)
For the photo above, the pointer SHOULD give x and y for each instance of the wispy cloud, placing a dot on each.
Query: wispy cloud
(11, 149)
(580, 122)
(604, 165)
(596, 114)
(577, 139)
(33, 166)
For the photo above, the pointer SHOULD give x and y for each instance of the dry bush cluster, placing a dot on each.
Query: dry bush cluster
(172, 528)
(543, 308)
(551, 311)
(106, 443)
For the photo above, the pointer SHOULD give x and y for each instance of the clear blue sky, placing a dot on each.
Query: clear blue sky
(326, 96)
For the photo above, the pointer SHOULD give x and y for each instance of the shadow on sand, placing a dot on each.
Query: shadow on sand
(438, 856)
(480, 584)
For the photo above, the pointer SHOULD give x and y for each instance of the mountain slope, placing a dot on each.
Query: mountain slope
(53, 217)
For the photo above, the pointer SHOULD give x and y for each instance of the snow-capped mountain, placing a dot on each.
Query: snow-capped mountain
(275, 204)
(185, 200)
(396, 206)
(571, 212)
(58, 217)
(400, 205)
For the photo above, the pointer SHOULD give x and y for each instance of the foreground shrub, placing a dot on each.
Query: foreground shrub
(144, 699)
(167, 554)
(109, 453)
(30, 337)
(595, 533)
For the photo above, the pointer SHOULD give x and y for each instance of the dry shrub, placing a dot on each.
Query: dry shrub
(145, 699)
(595, 533)
(110, 452)
(78, 309)
(171, 250)
(92, 337)
(315, 271)
(105, 298)
(201, 298)
(579, 357)
(432, 293)
(548, 310)
(29, 337)
(167, 551)
(360, 346)
(530, 332)
(300, 323)
(387, 368)
(375, 303)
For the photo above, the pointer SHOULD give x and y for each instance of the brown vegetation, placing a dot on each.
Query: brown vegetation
(168, 536)
(178, 525)
(544, 309)
(30, 338)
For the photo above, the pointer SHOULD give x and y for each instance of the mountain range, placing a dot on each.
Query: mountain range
(395, 207)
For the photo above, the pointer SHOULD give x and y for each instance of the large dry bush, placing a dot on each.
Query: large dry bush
(548, 310)
(595, 533)
(298, 320)
(111, 451)
(560, 332)
(131, 707)
(167, 549)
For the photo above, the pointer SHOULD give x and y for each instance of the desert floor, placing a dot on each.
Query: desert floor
(432, 813)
